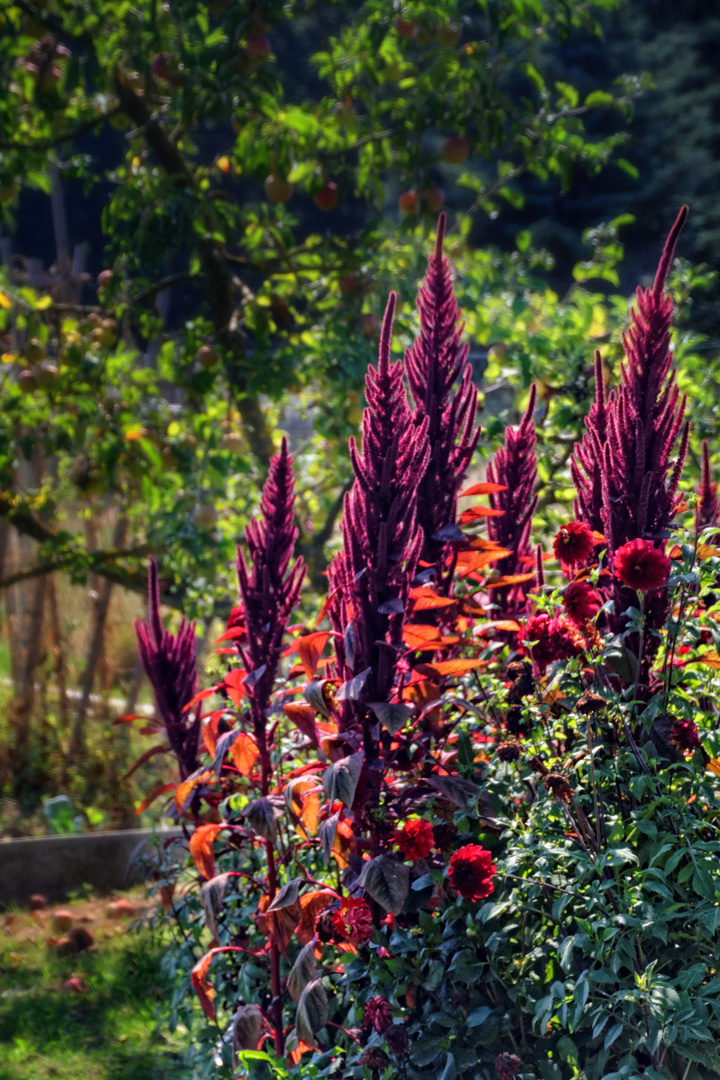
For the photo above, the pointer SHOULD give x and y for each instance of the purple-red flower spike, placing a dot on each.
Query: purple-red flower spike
(631, 438)
(706, 511)
(370, 579)
(434, 364)
(269, 585)
(170, 665)
(586, 464)
(515, 466)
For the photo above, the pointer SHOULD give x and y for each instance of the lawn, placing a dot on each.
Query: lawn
(107, 1028)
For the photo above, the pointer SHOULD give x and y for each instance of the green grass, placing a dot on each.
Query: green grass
(108, 1033)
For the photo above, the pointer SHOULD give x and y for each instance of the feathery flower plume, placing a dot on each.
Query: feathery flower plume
(270, 586)
(370, 579)
(706, 511)
(631, 438)
(515, 466)
(434, 364)
(586, 464)
(169, 663)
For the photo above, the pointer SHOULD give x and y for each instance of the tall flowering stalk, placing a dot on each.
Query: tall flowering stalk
(706, 510)
(434, 364)
(170, 665)
(270, 588)
(586, 465)
(515, 468)
(630, 441)
(370, 579)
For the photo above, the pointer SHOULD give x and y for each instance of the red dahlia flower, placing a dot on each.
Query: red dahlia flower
(471, 872)
(353, 922)
(555, 638)
(415, 839)
(573, 543)
(640, 565)
(378, 1014)
(684, 735)
(581, 601)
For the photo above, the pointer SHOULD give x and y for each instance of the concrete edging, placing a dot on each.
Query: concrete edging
(58, 865)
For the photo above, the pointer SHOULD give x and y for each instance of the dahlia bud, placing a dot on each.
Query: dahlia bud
(507, 1066)
(514, 721)
(397, 1039)
(523, 684)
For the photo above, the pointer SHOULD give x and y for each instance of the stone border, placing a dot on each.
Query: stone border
(58, 865)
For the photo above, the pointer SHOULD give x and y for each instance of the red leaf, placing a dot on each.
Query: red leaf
(200, 696)
(153, 796)
(202, 849)
(234, 683)
(309, 647)
(146, 757)
(486, 488)
(475, 513)
(128, 719)
(470, 561)
(231, 634)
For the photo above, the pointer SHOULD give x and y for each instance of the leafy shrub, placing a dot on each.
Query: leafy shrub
(484, 841)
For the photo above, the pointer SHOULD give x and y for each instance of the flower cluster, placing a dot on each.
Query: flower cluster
(550, 638)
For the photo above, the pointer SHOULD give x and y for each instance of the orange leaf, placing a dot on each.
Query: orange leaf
(183, 790)
(244, 753)
(449, 667)
(706, 551)
(303, 717)
(475, 513)
(129, 717)
(309, 649)
(486, 488)
(306, 805)
(234, 683)
(281, 924)
(210, 731)
(509, 579)
(714, 766)
(424, 598)
(710, 659)
(153, 796)
(311, 904)
(202, 985)
(417, 636)
(675, 552)
(298, 1050)
(500, 624)
(202, 848)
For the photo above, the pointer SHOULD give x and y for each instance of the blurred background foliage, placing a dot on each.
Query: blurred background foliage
(204, 206)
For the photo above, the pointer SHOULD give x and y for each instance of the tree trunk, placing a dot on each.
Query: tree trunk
(102, 604)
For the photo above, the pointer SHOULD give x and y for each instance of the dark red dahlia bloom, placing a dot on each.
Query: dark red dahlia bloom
(684, 735)
(378, 1014)
(555, 638)
(353, 922)
(415, 839)
(471, 872)
(639, 565)
(573, 543)
(581, 601)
